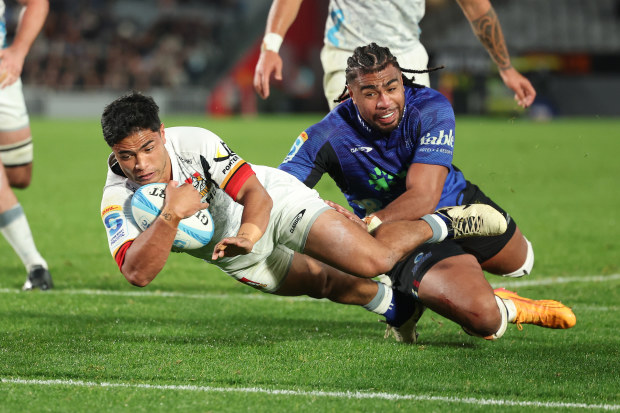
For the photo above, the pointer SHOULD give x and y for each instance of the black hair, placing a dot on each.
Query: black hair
(128, 114)
(371, 59)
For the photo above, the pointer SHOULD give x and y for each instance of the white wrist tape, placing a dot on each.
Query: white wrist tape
(272, 42)
(372, 222)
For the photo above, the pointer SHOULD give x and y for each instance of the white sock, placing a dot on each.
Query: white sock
(510, 307)
(381, 303)
(14, 226)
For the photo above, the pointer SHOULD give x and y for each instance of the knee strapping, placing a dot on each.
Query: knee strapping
(526, 268)
(17, 154)
(504, 323)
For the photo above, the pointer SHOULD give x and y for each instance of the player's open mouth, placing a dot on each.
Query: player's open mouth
(387, 118)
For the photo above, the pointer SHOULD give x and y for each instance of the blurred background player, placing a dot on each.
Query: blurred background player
(391, 23)
(389, 148)
(16, 149)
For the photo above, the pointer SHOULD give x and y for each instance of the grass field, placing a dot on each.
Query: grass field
(196, 340)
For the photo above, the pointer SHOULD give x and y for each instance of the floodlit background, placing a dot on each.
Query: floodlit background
(198, 56)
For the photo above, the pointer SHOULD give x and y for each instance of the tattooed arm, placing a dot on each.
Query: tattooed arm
(486, 27)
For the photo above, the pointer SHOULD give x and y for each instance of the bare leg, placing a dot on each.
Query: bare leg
(510, 258)
(18, 176)
(457, 289)
(335, 240)
(308, 276)
(7, 198)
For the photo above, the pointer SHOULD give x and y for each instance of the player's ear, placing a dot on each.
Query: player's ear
(350, 92)
(162, 132)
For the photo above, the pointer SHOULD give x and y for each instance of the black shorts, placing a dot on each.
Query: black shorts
(408, 273)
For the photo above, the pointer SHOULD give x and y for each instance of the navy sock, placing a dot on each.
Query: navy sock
(401, 308)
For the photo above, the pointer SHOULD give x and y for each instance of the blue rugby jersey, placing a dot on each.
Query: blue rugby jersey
(369, 167)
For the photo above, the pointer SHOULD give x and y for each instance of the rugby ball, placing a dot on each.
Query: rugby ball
(194, 232)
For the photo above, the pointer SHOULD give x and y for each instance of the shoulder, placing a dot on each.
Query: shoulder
(428, 104)
(421, 97)
(189, 133)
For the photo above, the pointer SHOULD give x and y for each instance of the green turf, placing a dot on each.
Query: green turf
(220, 338)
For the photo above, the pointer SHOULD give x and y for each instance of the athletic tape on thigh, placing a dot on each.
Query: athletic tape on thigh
(17, 154)
(527, 266)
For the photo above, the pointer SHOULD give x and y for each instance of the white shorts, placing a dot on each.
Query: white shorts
(334, 63)
(13, 113)
(295, 208)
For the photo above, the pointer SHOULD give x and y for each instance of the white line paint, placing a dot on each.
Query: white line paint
(524, 282)
(504, 282)
(316, 393)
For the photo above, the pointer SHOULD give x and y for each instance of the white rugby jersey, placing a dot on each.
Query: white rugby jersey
(197, 156)
(391, 23)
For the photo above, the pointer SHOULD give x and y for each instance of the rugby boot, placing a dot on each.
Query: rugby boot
(544, 313)
(404, 327)
(38, 277)
(472, 220)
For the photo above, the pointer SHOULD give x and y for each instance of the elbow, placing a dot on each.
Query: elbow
(137, 278)
(269, 204)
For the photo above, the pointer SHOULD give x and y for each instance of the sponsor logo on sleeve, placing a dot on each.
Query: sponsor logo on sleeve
(296, 220)
(298, 142)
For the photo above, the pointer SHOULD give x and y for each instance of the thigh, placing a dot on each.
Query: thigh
(336, 241)
(16, 154)
(308, 276)
(455, 284)
(510, 258)
(7, 197)
(457, 289)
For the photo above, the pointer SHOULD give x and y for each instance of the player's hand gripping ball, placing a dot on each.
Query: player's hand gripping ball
(194, 232)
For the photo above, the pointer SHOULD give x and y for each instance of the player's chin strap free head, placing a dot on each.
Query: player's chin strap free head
(371, 59)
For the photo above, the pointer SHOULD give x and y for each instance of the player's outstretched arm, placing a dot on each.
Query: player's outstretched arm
(282, 14)
(257, 206)
(486, 27)
(30, 24)
(149, 252)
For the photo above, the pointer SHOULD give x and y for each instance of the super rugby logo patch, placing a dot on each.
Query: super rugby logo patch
(298, 142)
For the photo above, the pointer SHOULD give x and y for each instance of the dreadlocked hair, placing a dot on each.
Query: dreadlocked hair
(374, 58)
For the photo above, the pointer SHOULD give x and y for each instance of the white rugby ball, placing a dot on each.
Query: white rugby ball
(194, 232)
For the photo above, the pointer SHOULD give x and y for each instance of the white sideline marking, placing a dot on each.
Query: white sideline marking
(340, 395)
(504, 282)
(524, 282)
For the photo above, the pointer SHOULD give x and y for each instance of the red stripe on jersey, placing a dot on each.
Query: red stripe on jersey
(238, 178)
(120, 254)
